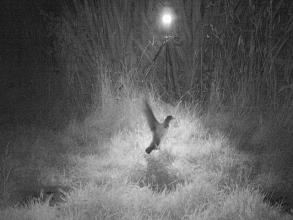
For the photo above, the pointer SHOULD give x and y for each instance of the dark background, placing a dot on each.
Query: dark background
(27, 61)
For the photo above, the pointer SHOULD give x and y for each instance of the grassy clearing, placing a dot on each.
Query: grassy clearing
(224, 164)
(203, 170)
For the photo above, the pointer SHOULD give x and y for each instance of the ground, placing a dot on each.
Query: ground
(210, 166)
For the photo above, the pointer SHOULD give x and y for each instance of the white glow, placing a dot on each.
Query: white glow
(167, 19)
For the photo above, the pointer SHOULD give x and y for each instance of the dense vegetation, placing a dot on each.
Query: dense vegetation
(76, 128)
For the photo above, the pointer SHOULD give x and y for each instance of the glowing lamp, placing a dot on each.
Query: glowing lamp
(167, 18)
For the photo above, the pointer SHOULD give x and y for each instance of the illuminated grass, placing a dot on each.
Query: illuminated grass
(195, 175)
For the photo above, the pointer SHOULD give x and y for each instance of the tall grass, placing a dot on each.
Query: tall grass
(233, 161)
(251, 41)
(97, 38)
(240, 50)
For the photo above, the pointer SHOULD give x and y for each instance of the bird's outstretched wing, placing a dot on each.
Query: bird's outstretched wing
(152, 121)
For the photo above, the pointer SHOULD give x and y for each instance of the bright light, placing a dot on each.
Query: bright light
(167, 19)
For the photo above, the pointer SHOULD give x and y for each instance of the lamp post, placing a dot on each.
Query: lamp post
(167, 19)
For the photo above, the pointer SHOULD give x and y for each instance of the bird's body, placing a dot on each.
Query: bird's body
(159, 130)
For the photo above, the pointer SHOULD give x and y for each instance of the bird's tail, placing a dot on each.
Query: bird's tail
(150, 148)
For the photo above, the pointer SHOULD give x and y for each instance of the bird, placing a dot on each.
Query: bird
(159, 130)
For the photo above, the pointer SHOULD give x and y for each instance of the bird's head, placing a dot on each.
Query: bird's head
(167, 120)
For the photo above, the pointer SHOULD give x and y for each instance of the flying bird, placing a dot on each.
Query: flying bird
(159, 130)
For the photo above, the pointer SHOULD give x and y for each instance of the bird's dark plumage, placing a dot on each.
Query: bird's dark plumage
(159, 130)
